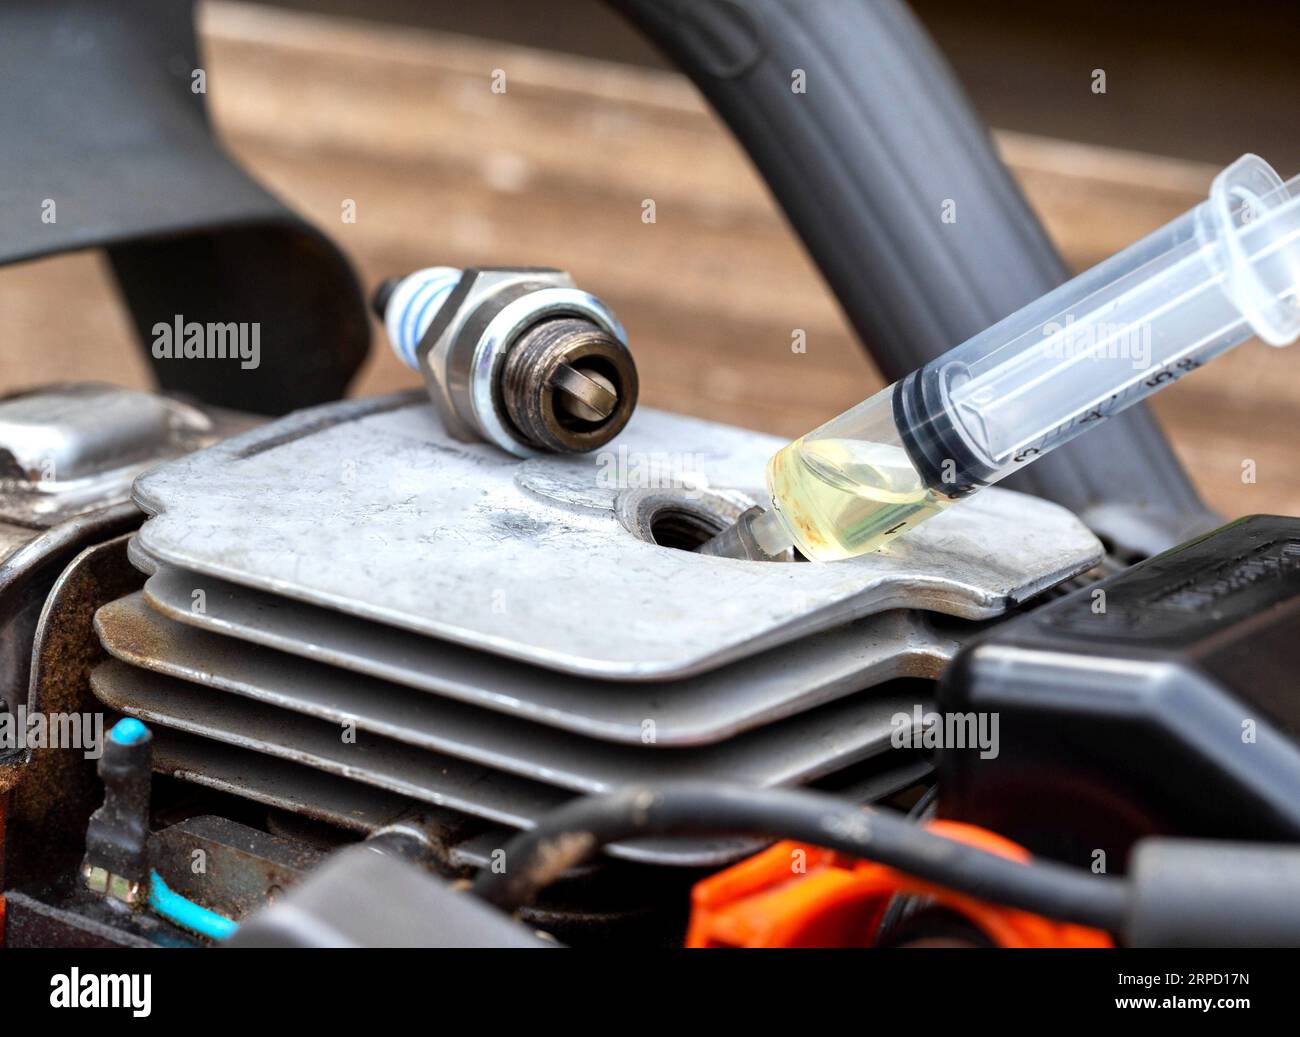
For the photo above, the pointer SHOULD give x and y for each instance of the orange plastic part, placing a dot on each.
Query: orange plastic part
(795, 895)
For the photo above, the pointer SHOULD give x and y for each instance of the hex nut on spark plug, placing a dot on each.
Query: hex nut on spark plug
(519, 357)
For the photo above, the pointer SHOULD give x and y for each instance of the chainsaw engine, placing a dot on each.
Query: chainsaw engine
(346, 627)
(345, 624)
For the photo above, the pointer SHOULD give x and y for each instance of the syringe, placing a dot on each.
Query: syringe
(1223, 271)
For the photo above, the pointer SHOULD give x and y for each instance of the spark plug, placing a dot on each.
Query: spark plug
(516, 356)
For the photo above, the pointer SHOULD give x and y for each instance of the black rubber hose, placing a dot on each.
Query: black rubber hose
(863, 162)
(578, 830)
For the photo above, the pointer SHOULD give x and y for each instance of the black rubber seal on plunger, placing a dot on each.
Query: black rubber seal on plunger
(932, 441)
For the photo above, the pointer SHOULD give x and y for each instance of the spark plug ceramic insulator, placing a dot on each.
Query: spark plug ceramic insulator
(517, 356)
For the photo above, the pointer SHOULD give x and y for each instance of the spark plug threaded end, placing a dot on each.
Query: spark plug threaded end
(568, 386)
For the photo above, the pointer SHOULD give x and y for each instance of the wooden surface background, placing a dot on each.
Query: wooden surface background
(554, 171)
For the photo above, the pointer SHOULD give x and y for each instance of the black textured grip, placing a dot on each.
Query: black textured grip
(864, 162)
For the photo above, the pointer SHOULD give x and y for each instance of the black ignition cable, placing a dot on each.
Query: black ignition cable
(579, 830)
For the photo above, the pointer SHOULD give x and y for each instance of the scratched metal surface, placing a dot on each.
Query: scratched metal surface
(368, 507)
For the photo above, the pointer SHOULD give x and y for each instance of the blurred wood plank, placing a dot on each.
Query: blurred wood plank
(554, 172)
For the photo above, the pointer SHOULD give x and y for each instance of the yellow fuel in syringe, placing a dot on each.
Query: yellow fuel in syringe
(836, 496)
(843, 497)
(1221, 273)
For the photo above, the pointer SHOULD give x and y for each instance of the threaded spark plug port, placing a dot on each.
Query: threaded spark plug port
(685, 520)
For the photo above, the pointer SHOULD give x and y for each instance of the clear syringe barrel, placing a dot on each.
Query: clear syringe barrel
(1226, 270)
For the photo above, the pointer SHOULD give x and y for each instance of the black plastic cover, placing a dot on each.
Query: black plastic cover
(1161, 700)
